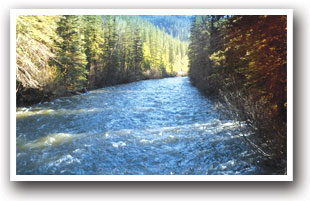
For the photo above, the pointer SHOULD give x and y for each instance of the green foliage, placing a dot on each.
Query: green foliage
(177, 26)
(134, 49)
(34, 40)
(71, 58)
(69, 53)
(93, 45)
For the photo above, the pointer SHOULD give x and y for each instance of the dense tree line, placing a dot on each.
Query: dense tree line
(176, 25)
(241, 61)
(57, 55)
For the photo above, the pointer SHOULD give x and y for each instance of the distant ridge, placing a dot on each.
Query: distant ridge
(176, 25)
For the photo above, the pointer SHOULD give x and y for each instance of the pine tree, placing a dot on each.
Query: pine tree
(138, 52)
(126, 52)
(111, 57)
(71, 58)
(93, 38)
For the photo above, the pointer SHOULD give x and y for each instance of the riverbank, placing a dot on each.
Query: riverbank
(30, 96)
(267, 156)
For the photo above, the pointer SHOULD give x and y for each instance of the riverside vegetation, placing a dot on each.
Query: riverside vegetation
(59, 55)
(241, 61)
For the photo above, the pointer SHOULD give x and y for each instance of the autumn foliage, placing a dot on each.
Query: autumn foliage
(242, 62)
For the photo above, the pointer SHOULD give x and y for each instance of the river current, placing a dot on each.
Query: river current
(148, 127)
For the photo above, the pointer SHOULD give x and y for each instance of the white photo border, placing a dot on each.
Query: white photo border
(287, 177)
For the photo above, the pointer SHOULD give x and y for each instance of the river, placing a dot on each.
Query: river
(148, 127)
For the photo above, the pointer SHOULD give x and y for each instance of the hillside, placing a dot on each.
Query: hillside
(175, 25)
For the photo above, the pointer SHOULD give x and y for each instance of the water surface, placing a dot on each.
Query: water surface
(160, 126)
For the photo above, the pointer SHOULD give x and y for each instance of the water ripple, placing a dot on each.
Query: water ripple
(149, 127)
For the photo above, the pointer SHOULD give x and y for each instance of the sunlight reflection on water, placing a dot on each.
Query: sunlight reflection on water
(149, 127)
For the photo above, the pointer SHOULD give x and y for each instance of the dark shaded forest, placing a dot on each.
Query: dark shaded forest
(241, 61)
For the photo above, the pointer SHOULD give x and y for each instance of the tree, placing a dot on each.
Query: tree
(137, 50)
(111, 57)
(241, 61)
(93, 45)
(71, 58)
(35, 35)
(199, 51)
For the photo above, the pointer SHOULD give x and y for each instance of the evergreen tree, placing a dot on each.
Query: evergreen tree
(137, 50)
(71, 58)
(93, 38)
(111, 51)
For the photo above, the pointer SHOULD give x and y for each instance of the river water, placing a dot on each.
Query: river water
(148, 127)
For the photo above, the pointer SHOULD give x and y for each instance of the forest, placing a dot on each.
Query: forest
(176, 25)
(241, 61)
(61, 55)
